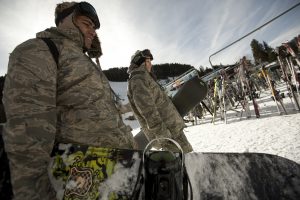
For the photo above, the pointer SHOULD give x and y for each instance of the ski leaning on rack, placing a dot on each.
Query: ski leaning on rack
(85, 172)
(285, 56)
(252, 95)
(275, 94)
(215, 99)
(288, 82)
(242, 79)
(223, 94)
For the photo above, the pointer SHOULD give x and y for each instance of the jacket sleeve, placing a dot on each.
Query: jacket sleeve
(30, 103)
(144, 102)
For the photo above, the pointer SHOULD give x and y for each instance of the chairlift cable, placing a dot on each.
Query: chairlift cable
(253, 31)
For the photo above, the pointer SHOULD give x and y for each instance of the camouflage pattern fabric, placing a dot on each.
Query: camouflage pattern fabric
(69, 103)
(154, 110)
(82, 172)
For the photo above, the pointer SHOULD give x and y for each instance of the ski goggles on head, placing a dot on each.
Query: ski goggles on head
(141, 56)
(146, 54)
(82, 8)
(86, 9)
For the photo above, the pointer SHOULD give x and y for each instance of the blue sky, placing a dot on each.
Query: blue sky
(182, 31)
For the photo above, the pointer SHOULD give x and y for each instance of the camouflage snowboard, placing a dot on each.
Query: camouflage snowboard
(80, 172)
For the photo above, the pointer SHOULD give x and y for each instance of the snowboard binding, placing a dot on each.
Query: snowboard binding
(165, 174)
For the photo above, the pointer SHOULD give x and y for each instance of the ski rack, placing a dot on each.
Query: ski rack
(294, 75)
(214, 76)
(216, 73)
(221, 86)
(171, 87)
(272, 89)
(288, 82)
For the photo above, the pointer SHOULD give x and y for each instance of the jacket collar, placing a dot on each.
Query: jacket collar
(72, 34)
(135, 68)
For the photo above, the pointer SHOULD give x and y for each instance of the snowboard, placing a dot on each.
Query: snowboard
(186, 91)
(190, 95)
(84, 172)
(190, 91)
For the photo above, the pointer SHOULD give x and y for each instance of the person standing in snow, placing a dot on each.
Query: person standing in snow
(66, 102)
(152, 107)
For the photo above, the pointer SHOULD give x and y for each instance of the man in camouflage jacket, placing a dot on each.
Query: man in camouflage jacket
(152, 107)
(68, 102)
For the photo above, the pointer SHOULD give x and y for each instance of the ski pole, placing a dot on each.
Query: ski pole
(205, 106)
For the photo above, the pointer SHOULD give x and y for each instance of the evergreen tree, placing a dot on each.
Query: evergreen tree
(162, 71)
(201, 71)
(258, 51)
(270, 52)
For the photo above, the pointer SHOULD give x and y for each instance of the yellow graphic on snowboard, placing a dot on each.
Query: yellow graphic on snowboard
(84, 169)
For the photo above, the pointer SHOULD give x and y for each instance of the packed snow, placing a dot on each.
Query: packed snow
(272, 133)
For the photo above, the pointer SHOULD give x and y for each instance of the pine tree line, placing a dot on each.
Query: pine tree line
(162, 71)
(262, 52)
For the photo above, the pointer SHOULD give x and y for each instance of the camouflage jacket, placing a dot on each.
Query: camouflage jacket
(69, 103)
(152, 107)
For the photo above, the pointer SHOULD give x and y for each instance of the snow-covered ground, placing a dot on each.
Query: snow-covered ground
(271, 133)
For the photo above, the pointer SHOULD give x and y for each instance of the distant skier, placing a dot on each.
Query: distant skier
(152, 107)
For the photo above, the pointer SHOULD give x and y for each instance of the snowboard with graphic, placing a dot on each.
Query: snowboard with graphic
(85, 172)
(82, 172)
